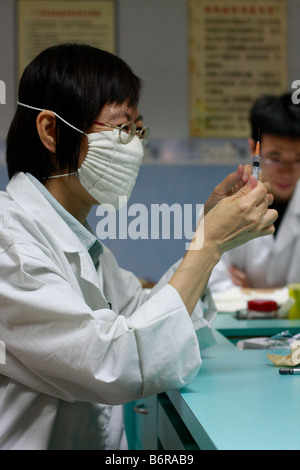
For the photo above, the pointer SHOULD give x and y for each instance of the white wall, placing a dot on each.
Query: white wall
(7, 63)
(153, 40)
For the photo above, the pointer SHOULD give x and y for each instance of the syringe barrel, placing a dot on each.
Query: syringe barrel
(256, 166)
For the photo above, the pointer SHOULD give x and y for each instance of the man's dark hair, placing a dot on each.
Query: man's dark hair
(277, 116)
(75, 81)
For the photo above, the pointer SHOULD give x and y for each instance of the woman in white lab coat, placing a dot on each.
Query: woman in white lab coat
(81, 335)
(272, 261)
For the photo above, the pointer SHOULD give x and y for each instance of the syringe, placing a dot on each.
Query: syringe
(256, 159)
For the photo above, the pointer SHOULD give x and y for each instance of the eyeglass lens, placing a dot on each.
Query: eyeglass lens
(129, 131)
(126, 132)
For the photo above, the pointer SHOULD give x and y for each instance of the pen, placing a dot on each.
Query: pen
(289, 371)
(256, 159)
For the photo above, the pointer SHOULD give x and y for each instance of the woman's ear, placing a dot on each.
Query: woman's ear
(46, 127)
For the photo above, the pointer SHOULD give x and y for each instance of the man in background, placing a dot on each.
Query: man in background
(272, 261)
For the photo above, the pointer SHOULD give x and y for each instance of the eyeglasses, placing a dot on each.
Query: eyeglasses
(127, 131)
(280, 165)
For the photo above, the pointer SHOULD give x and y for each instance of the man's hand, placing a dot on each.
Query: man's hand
(238, 277)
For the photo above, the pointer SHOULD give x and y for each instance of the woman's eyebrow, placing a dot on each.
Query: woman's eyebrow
(123, 115)
(119, 115)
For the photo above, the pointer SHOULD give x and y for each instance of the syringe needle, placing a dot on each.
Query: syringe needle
(256, 159)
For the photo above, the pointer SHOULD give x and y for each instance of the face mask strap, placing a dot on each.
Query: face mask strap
(60, 176)
(40, 109)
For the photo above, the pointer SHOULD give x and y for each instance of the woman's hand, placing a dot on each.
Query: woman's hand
(229, 186)
(233, 220)
(236, 219)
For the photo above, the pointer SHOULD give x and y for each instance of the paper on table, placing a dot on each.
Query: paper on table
(292, 359)
(236, 298)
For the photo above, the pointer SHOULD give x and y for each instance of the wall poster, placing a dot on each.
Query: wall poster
(45, 23)
(238, 51)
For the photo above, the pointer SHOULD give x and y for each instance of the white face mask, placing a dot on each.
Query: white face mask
(110, 168)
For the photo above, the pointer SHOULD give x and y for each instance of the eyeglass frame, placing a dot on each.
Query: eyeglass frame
(142, 134)
(278, 164)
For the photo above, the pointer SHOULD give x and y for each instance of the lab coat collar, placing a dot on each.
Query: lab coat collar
(294, 206)
(82, 231)
(290, 225)
(31, 200)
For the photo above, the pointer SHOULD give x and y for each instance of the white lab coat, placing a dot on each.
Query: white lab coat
(69, 357)
(268, 261)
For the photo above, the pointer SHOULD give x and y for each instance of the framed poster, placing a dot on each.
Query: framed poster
(238, 51)
(45, 23)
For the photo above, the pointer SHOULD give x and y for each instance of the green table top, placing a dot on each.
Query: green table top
(239, 401)
(229, 326)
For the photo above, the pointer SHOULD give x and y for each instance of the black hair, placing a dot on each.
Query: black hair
(75, 81)
(277, 116)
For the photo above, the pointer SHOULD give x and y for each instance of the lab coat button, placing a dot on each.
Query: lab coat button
(101, 422)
